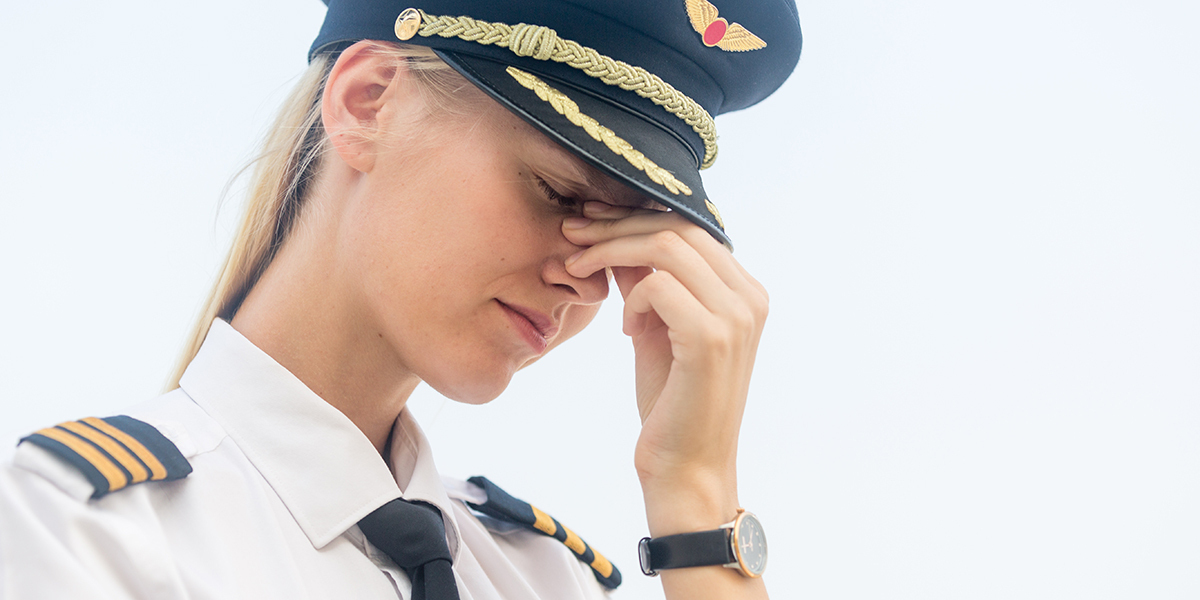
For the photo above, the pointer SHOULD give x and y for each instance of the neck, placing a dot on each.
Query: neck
(302, 315)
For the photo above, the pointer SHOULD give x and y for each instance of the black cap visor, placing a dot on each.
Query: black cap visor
(660, 145)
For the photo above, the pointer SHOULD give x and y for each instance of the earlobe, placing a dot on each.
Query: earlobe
(359, 86)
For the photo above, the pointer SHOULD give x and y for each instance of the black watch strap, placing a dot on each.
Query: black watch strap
(697, 549)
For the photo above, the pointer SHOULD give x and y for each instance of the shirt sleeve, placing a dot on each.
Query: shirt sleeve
(55, 543)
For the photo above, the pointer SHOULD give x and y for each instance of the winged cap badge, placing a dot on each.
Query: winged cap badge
(716, 31)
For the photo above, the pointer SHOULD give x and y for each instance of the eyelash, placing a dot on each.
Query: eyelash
(553, 194)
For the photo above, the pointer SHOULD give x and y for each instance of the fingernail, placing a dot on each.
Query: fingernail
(596, 208)
(574, 257)
(576, 222)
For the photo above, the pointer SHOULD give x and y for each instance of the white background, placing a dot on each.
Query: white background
(979, 222)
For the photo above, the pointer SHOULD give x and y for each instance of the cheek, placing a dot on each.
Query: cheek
(576, 318)
(442, 226)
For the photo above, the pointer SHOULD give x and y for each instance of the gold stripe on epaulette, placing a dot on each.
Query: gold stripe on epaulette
(115, 450)
(546, 524)
(542, 43)
(116, 479)
(573, 542)
(567, 108)
(601, 564)
(543, 522)
(157, 471)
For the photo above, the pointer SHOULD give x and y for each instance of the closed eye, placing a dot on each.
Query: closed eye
(553, 194)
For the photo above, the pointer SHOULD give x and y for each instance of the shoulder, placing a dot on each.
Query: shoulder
(91, 457)
(83, 499)
(520, 527)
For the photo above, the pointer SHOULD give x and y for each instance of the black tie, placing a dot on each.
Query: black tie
(413, 535)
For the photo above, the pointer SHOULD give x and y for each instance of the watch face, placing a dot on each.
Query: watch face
(751, 545)
(644, 557)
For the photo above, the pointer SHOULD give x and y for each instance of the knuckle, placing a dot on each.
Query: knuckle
(761, 306)
(697, 237)
(744, 319)
(616, 218)
(660, 280)
(666, 240)
(721, 340)
(758, 298)
(602, 226)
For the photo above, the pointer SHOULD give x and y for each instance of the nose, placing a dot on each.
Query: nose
(587, 290)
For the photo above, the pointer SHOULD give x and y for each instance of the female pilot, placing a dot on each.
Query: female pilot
(446, 196)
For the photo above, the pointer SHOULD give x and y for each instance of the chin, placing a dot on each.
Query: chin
(471, 388)
(476, 377)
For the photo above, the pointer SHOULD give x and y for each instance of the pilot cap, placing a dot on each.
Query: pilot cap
(630, 86)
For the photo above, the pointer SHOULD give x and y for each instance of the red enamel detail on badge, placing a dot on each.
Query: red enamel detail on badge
(715, 31)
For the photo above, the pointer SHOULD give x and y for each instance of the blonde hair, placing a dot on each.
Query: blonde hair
(289, 162)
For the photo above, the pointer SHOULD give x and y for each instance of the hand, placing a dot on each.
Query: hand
(695, 316)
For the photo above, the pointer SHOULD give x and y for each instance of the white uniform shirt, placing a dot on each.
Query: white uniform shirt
(280, 479)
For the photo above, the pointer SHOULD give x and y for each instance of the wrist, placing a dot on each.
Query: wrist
(740, 545)
(688, 504)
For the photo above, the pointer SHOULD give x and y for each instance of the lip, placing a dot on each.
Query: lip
(537, 328)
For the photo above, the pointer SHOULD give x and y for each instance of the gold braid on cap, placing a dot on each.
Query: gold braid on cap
(567, 108)
(542, 43)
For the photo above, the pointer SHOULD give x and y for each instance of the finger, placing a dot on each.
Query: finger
(627, 277)
(661, 294)
(595, 210)
(642, 221)
(599, 210)
(663, 251)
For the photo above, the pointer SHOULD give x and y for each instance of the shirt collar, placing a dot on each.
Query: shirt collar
(414, 471)
(326, 472)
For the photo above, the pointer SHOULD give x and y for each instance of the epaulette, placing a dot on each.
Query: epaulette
(114, 452)
(500, 505)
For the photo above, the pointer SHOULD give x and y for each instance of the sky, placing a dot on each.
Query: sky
(979, 224)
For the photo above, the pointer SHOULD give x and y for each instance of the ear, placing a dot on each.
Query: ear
(361, 84)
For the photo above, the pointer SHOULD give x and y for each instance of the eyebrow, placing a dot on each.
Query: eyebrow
(608, 188)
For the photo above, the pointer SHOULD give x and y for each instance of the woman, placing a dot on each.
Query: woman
(442, 199)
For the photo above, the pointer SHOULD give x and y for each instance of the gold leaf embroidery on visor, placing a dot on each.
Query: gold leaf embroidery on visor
(712, 208)
(567, 108)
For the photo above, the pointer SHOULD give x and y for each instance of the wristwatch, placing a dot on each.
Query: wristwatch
(740, 544)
